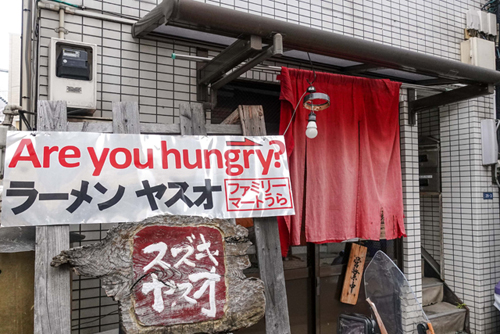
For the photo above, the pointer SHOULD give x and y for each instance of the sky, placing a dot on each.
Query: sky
(10, 22)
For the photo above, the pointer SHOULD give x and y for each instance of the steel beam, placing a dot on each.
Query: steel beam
(231, 57)
(275, 49)
(213, 76)
(452, 96)
(360, 68)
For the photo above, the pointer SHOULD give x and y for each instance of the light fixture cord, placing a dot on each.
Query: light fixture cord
(295, 110)
(312, 69)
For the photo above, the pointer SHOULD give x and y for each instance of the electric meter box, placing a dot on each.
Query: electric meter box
(73, 64)
(73, 75)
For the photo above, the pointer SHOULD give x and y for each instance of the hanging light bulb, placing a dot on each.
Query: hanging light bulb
(312, 127)
(315, 102)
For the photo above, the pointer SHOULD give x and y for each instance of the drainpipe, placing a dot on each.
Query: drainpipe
(25, 98)
(62, 30)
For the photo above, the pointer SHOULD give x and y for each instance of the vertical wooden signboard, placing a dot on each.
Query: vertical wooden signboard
(354, 274)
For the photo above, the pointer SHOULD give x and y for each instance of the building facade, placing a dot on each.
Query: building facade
(456, 225)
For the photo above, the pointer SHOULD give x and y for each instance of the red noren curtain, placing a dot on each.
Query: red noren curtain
(348, 178)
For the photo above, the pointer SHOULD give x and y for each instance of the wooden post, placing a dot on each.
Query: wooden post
(52, 285)
(126, 118)
(192, 118)
(268, 242)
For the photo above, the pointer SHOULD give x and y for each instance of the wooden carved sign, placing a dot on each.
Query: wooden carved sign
(175, 274)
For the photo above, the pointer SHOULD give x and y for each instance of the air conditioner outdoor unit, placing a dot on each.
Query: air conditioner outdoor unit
(478, 52)
(73, 75)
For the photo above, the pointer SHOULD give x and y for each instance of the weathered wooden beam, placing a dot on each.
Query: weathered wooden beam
(268, 242)
(52, 285)
(126, 117)
(158, 128)
(100, 127)
(224, 129)
(155, 128)
(192, 118)
(233, 118)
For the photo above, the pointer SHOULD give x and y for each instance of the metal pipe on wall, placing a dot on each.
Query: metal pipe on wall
(25, 96)
(70, 10)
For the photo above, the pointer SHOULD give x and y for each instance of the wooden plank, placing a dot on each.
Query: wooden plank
(100, 127)
(192, 118)
(252, 120)
(224, 129)
(234, 118)
(157, 128)
(354, 273)
(52, 116)
(126, 117)
(185, 119)
(52, 285)
(268, 242)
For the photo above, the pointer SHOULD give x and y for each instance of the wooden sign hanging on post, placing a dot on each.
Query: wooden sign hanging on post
(353, 275)
(173, 274)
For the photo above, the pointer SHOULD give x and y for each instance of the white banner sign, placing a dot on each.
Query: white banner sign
(74, 178)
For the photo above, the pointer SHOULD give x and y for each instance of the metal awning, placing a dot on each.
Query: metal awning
(195, 20)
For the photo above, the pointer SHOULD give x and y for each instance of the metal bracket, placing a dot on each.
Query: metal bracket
(230, 64)
(59, 29)
(452, 96)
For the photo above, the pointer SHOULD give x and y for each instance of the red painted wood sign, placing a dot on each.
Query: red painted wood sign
(174, 274)
(179, 275)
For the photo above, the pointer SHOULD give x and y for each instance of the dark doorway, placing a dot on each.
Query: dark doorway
(249, 93)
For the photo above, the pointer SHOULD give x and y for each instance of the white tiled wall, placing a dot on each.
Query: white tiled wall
(430, 204)
(411, 244)
(470, 224)
(141, 70)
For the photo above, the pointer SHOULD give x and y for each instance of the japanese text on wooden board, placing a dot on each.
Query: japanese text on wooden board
(179, 275)
(74, 177)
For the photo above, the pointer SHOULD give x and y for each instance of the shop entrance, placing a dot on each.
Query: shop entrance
(314, 274)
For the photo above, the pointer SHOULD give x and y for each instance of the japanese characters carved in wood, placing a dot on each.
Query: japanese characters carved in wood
(173, 274)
